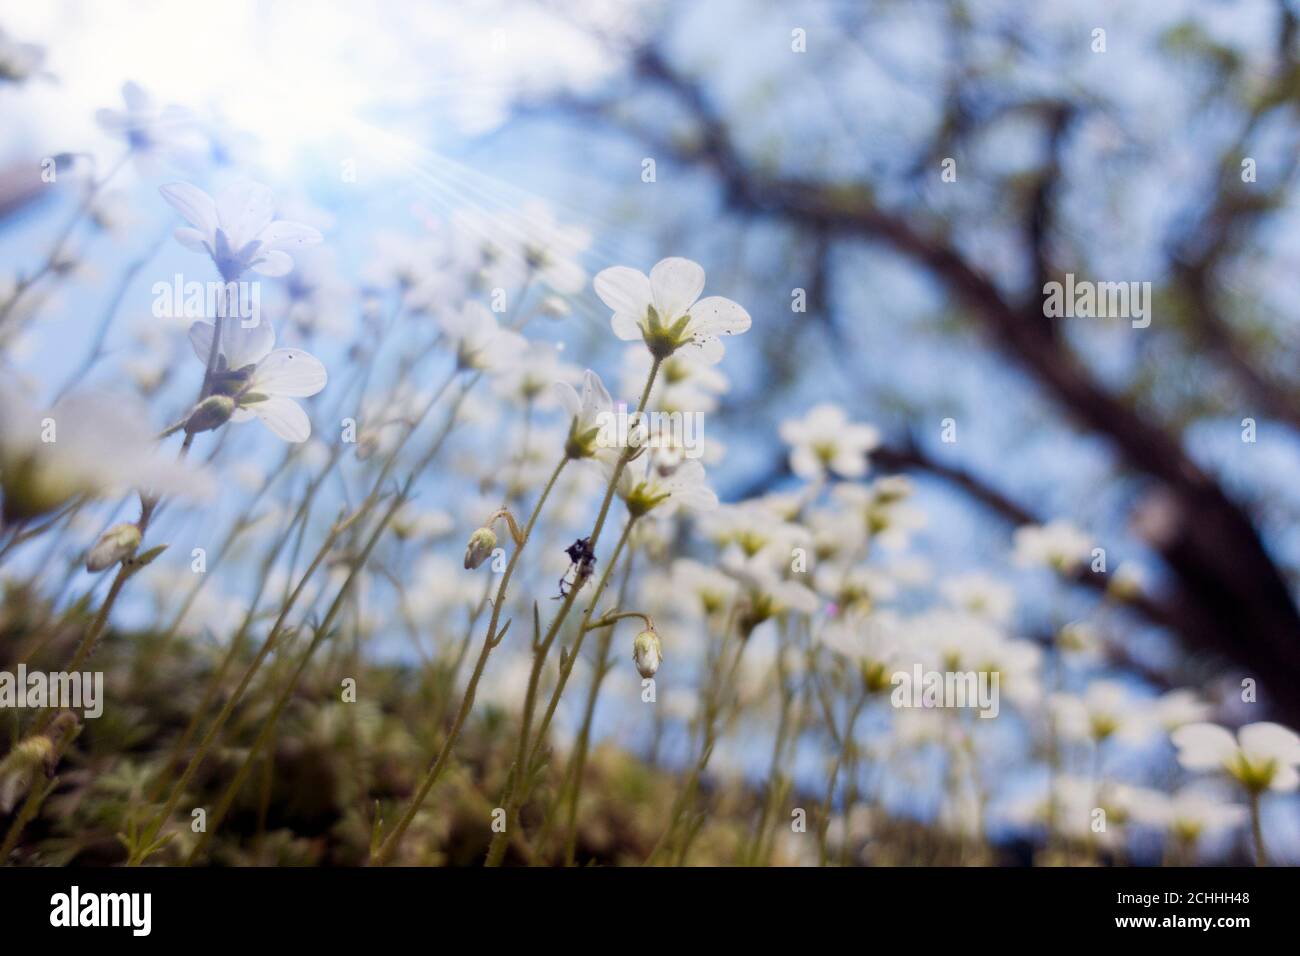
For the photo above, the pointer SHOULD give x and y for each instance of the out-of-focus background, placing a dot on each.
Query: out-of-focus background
(886, 186)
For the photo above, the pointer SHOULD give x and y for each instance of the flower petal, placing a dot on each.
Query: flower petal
(568, 396)
(244, 210)
(198, 208)
(1268, 741)
(191, 239)
(201, 339)
(1204, 746)
(626, 327)
(719, 316)
(290, 372)
(274, 263)
(284, 417)
(245, 344)
(675, 284)
(282, 232)
(625, 290)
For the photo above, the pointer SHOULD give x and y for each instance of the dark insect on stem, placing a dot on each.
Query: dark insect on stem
(583, 564)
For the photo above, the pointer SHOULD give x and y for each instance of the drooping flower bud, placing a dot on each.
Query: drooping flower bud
(116, 544)
(213, 412)
(647, 652)
(481, 544)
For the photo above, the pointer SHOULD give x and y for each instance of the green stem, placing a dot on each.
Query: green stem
(389, 846)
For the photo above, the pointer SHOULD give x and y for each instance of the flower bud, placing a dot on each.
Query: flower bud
(116, 544)
(213, 412)
(648, 653)
(481, 543)
(19, 768)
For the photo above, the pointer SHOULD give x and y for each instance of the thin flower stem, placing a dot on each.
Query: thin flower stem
(520, 772)
(321, 633)
(1257, 830)
(578, 762)
(388, 848)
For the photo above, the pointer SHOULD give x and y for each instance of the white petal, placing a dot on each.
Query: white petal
(136, 99)
(191, 239)
(706, 349)
(625, 326)
(804, 463)
(244, 210)
(849, 464)
(290, 372)
(284, 417)
(245, 344)
(112, 120)
(1267, 741)
(568, 396)
(675, 284)
(719, 316)
(625, 290)
(595, 397)
(201, 339)
(273, 263)
(194, 204)
(1285, 779)
(282, 232)
(1204, 746)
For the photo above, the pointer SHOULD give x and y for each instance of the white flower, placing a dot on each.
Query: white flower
(712, 589)
(644, 486)
(551, 250)
(981, 594)
(99, 445)
(531, 377)
(1179, 707)
(1190, 813)
(588, 414)
(18, 61)
(1058, 545)
(478, 341)
(1106, 709)
(238, 229)
(767, 593)
(666, 311)
(262, 380)
(151, 132)
(1262, 756)
(825, 440)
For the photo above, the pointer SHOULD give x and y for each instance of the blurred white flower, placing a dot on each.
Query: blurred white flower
(1106, 709)
(1058, 545)
(98, 445)
(1179, 707)
(662, 309)
(644, 486)
(1262, 756)
(1189, 814)
(238, 229)
(529, 380)
(825, 440)
(478, 340)
(587, 413)
(152, 133)
(262, 380)
(981, 594)
(18, 61)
